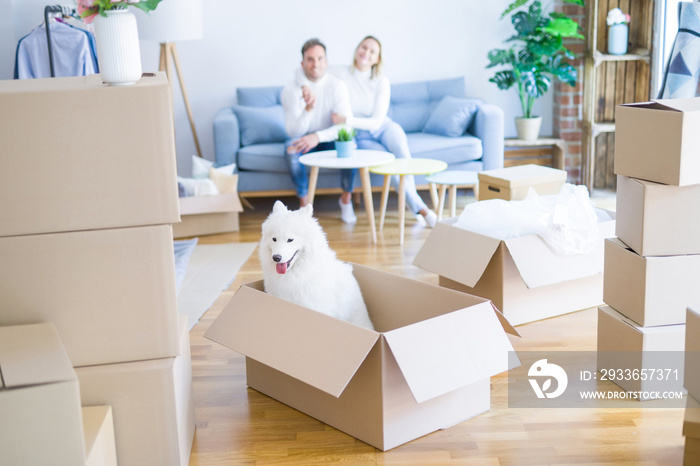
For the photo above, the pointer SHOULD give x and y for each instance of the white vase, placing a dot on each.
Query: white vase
(528, 128)
(118, 52)
(617, 39)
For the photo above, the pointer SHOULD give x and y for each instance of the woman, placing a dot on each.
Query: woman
(369, 97)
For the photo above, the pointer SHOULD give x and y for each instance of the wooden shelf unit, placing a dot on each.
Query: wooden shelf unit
(611, 80)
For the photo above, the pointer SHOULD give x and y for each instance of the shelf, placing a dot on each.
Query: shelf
(635, 55)
(597, 128)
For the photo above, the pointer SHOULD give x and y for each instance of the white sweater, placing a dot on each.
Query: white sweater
(331, 97)
(369, 97)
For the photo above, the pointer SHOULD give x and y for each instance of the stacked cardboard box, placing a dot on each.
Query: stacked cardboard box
(89, 181)
(691, 423)
(652, 269)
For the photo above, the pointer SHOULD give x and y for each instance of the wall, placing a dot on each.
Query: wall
(257, 43)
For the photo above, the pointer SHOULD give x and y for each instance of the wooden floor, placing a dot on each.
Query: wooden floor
(238, 426)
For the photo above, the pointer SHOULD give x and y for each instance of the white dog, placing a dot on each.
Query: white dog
(299, 266)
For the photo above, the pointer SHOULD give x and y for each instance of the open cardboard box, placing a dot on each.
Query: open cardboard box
(651, 291)
(656, 219)
(523, 276)
(208, 215)
(692, 353)
(659, 141)
(79, 154)
(624, 345)
(427, 367)
(691, 431)
(152, 402)
(40, 416)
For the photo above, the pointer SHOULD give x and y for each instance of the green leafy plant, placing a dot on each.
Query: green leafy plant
(538, 53)
(345, 135)
(88, 9)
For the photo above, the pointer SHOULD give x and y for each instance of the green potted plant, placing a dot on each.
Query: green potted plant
(344, 143)
(536, 57)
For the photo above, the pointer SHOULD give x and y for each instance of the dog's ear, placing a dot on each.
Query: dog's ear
(279, 207)
(307, 210)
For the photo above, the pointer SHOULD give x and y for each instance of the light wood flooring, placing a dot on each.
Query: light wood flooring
(239, 426)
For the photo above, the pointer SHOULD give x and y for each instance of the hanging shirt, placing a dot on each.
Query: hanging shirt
(71, 53)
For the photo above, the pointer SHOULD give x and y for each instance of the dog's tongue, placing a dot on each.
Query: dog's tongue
(281, 267)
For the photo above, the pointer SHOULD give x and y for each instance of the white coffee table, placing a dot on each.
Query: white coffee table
(361, 159)
(453, 179)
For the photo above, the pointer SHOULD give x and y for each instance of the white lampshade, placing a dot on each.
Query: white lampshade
(171, 21)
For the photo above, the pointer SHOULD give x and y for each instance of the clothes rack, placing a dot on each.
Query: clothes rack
(50, 9)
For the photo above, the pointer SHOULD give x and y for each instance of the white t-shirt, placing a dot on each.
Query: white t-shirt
(331, 97)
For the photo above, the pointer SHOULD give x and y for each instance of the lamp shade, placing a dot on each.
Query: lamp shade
(171, 21)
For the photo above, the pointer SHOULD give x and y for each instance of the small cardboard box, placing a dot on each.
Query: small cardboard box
(523, 277)
(110, 293)
(81, 155)
(98, 425)
(656, 219)
(691, 431)
(427, 367)
(659, 141)
(651, 291)
(152, 403)
(692, 353)
(626, 346)
(513, 183)
(208, 215)
(40, 419)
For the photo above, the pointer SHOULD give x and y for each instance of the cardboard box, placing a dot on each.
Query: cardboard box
(513, 183)
(691, 431)
(98, 425)
(40, 420)
(523, 276)
(152, 404)
(651, 291)
(625, 345)
(658, 141)
(658, 220)
(110, 293)
(427, 367)
(208, 215)
(692, 353)
(81, 155)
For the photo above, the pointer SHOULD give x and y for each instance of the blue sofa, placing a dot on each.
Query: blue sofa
(439, 121)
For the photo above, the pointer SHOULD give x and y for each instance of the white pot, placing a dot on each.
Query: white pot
(118, 52)
(528, 128)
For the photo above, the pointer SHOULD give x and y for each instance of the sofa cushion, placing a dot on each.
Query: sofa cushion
(259, 96)
(451, 116)
(260, 125)
(451, 150)
(263, 157)
(411, 116)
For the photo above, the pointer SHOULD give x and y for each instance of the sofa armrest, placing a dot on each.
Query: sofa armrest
(227, 137)
(488, 126)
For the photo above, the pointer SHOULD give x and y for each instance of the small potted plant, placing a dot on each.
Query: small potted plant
(344, 143)
(536, 56)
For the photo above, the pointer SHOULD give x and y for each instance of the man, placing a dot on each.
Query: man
(307, 113)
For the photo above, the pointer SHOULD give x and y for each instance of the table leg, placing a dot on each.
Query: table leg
(402, 205)
(385, 200)
(434, 195)
(453, 200)
(441, 201)
(369, 204)
(313, 178)
(476, 192)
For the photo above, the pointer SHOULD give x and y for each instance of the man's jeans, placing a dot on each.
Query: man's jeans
(298, 171)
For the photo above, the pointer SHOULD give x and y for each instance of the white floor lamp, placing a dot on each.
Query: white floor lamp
(174, 21)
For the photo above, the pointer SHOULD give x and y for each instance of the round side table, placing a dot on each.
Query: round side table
(403, 167)
(453, 179)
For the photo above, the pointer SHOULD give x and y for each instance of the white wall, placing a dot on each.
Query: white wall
(257, 43)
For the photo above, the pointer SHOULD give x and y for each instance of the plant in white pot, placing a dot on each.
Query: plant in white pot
(536, 57)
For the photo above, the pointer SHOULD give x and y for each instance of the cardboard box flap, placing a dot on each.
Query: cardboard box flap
(33, 355)
(472, 346)
(691, 421)
(539, 265)
(317, 349)
(681, 105)
(469, 253)
(220, 203)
